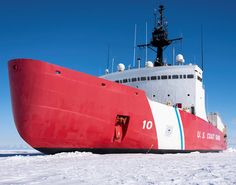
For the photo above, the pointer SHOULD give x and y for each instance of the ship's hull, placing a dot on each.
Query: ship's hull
(56, 109)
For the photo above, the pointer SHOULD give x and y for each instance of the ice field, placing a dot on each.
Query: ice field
(31, 167)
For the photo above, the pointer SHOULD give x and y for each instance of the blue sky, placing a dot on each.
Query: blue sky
(75, 34)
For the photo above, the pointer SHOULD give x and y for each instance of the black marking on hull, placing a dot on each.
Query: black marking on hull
(118, 150)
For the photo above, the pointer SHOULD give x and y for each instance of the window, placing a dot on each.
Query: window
(148, 78)
(143, 78)
(164, 77)
(117, 81)
(179, 105)
(180, 76)
(125, 80)
(169, 77)
(190, 76)
(133, 79)
(138, 79)
(199, 78)
(153, 77)
(121, 81)
(193, 110)
(184, 76)
(158, 78)
(175, 76)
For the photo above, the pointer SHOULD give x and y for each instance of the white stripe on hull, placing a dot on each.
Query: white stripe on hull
(169, 126)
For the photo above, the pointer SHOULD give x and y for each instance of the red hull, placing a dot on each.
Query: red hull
(56, 109)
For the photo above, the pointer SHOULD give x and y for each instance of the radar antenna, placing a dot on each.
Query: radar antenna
(159, 38)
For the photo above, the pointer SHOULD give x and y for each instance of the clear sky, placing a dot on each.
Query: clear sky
(75, 34)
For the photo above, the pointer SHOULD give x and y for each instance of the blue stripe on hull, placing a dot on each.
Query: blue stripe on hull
(180, 129)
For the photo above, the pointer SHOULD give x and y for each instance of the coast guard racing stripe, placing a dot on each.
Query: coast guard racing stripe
(169, 127)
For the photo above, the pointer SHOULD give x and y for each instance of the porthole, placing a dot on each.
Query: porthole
(15, 67)
(58, 72)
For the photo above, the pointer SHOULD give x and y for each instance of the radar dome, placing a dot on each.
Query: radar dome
(120, 67)
(180, 59)
(148, 64)
(106, 71)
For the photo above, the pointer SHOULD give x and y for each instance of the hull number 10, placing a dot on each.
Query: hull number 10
(147, 124)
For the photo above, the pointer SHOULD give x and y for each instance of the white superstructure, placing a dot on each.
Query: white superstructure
(178, 85)
(215, 119)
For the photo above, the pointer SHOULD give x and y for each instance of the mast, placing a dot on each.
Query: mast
(146, 57)
(159, 38)
(202, 48)
(135, 40)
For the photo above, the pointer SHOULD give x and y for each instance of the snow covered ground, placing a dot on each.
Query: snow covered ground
(31, 167)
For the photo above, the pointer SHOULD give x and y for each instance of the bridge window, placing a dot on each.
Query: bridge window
(199, 78)
(164, 77)
(143, 78)
(125, 80)
(153, 77)
(190, 76)
(175, 76)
